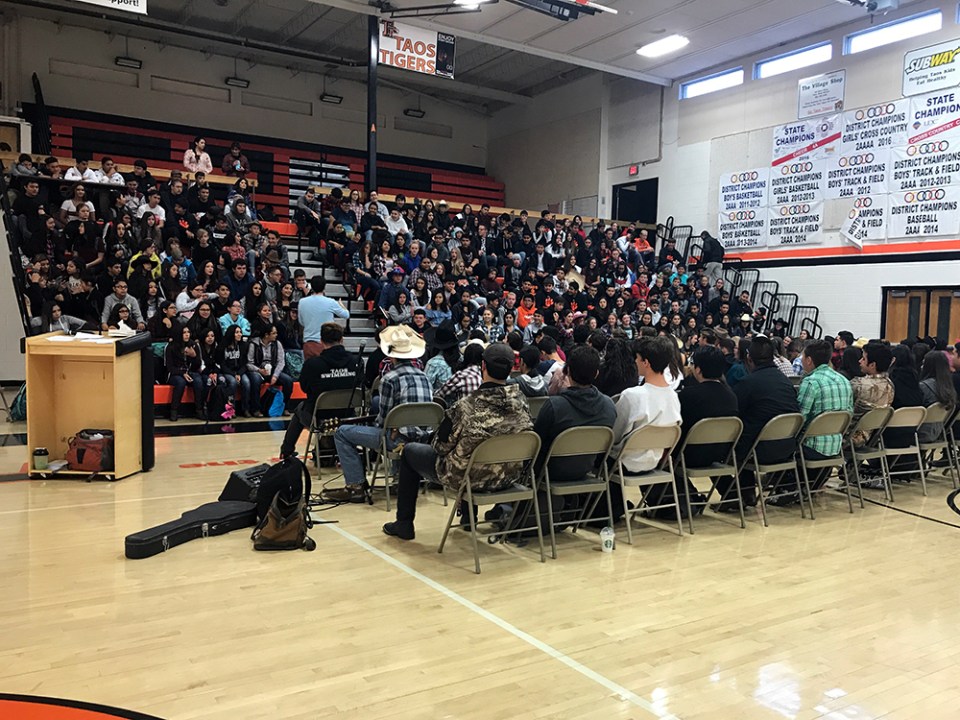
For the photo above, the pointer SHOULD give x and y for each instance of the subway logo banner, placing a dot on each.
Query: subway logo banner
(134, 6)
(412, 48)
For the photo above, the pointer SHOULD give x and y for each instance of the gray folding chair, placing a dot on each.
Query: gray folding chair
(535, 404)
(712, 431)
(330, 404)
(952, 431)
(871, 424)
(779, 428)
(834, 422)
(522, 447)
(907, 418)
(660, 439)
(587, 441)
(425, 415)
(942, 416)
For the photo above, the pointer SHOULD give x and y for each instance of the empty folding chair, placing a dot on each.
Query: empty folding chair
(425, 415)
(870, 428)
(660, 439)
(582, 442)
(939, 418)
(522, 447)
(908, 419)
(834, 422)
(780, 428)
(717, 431)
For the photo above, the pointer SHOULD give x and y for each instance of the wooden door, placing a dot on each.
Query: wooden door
(944, 315)
(906, 314)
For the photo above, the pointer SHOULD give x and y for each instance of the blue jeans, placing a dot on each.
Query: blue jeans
(346, 440)
(256, 380)
(179, 383)
(230, 385)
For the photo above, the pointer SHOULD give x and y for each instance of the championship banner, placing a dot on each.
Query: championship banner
(797, 182)
(746, 190)
(874, 128)
(866, 221)
(740, 229)
(814, 139)
(863, 173)
(412, 48)
(934, 117)
(796, 224)
(929, 164)
(134, 6)
(925, 213)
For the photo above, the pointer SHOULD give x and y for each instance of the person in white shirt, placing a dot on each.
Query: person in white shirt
(381, 208)
(189, 298)
(81, 172)
(153, 206)
(652, 403)
(108, 173)
(396, 225)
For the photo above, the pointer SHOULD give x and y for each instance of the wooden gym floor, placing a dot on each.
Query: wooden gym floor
(849, 616)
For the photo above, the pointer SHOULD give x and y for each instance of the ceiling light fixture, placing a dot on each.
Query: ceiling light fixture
(127, 62)
(414, 113)
(664, 46)
(331, 99)
(237, 82)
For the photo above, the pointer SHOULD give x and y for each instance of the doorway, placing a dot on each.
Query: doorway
(912, 312)
(637, 201)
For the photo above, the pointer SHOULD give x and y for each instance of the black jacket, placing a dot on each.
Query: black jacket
(699, 401)
(333, 369)
(574, 407)
(761, 395)
(712, 250)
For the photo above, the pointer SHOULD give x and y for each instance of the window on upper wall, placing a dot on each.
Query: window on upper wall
(711, 83)
(793, 61)
(892, 32)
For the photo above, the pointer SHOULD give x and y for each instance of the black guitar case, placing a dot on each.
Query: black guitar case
(243, 484)
(214, 518)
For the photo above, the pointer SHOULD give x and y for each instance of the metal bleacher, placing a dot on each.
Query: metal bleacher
(738, 276)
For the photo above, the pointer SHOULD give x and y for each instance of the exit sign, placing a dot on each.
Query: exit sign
(634, 170)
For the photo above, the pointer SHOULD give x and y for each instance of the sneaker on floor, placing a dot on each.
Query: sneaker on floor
(874, 483)
(400, 529)
(346, 494)
(785, 500)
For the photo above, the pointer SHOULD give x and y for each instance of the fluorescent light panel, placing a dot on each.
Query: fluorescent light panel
(331, 99)
(127, 62)
(893, 32)
(720, 81)
(664, 46)
(237, 82)
(794, 61)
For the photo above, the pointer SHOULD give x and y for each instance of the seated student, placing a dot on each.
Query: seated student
(333, 369)
(231, 359)
(445, 362)
(531, 382)
(936, 385)
(265, 364)
(120, 297)
(762, 395)
(164, 325)
(52, 319)
(873, 389)
(467, 379)
(182, 359)
(494, 409)
(579, 405)
(235, 316)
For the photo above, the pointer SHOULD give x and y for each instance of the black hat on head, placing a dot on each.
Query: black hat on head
(445, 336)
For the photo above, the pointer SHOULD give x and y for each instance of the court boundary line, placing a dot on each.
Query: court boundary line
(619, 691)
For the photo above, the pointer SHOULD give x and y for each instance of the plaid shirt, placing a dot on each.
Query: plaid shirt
(406, 383)
(825, 390)
(460, 385)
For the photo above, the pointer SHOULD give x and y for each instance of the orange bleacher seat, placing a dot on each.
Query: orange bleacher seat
(163, 394)
(286, 229)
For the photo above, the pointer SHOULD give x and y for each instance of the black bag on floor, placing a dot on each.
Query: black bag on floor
(214, 518)
(217, 400)
(282, 515)
(244, 484)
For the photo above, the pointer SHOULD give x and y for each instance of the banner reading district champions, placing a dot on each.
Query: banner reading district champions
(886, 172)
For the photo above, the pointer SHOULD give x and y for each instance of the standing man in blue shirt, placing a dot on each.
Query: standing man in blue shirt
(315, 310)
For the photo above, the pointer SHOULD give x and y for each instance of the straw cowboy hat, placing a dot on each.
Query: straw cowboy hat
(402, 343)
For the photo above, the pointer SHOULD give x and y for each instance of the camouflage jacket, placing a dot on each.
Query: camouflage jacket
(488, 411)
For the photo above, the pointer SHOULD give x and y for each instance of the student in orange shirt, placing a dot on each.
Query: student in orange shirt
(525, 311)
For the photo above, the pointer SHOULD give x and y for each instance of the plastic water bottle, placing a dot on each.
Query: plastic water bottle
(606, 539)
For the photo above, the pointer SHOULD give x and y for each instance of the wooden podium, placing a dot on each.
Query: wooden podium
(75, 383)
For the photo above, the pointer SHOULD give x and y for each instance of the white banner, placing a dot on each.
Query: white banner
(820, 94)
(134, 6)
(806, 140)
(936, 67)
(867, 220)
(863, 173)
(930, 164)
(934, 117)
(743, 228)
(874, 128)
(412, 48)
(746, 190)
(924, 213)
(798, 182)
(796, 224)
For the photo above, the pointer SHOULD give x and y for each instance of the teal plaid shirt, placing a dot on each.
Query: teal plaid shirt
(822, 391)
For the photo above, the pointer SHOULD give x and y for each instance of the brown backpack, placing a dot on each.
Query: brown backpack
(91, 451)
(285, 523)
